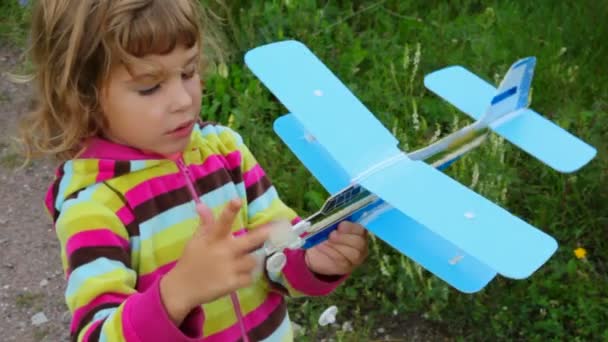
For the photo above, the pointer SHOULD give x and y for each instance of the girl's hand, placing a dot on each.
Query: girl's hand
(214, 263)
(346, 248)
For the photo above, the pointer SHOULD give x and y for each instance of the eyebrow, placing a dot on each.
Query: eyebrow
(154, 77)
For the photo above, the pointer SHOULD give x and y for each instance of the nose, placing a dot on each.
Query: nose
(181, 99)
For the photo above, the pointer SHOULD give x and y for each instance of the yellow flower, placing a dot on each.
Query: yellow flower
(580, 253)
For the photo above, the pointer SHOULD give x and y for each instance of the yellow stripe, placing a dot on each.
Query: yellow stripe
(166, 246)
(159, 169)
(86, 216)
(219, 315)
(84, 171)
(121, 281)
(112, 329)
(277, 210)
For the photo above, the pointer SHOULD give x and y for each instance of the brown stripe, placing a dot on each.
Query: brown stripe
(173, 198)
(73, 195)
(269, 325)
(94, 337)
(203, 124)
(55, 212)
(121, 168)
(215, 180)
(276, 287)
(258, 188)
(133, 228)
(85, 255)
(86, 319)
(55, 191)
(161, 203)
(236, 174)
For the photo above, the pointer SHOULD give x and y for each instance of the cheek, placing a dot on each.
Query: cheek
(193, 87)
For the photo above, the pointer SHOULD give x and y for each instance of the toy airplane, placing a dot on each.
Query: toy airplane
(453, 232)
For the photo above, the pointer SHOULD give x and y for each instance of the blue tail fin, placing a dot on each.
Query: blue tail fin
(513, 92)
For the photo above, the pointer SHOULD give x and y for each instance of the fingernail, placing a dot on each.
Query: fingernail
(235, 203)
(200, 208)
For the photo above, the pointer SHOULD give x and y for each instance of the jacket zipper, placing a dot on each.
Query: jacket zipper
(236, 305)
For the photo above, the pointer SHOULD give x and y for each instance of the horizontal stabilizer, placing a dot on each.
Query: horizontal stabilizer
(524, 128)
(545, 140)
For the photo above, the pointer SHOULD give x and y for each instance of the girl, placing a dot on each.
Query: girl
(118, 103)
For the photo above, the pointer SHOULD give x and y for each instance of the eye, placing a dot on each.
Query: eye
(149, 91)
(188, 74)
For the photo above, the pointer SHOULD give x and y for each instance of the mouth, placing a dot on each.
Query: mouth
(182, 127)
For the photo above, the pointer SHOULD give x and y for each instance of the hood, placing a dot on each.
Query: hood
(101, 160)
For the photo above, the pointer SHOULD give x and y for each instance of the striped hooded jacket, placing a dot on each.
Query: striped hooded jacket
(123, 218)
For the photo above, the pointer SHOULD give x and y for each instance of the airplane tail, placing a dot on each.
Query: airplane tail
(513, 91)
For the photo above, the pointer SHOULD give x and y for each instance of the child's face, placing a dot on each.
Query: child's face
(154, 115)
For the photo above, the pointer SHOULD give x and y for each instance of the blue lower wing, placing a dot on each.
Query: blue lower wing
(467, 220)
(434, 253)
(526, 129)
(311, 154)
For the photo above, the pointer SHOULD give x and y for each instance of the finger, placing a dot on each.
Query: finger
(223, 225)
(246, 264)
(206, 216)
(351, 228)
(253, 240)
(351, 254)
(348, 239)
(244, 279)
(332, 253)
(236, 281)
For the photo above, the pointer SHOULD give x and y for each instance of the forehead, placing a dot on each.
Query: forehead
(155, 65)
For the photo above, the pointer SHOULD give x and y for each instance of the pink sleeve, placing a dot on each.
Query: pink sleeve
(145, 319)
(297, 276)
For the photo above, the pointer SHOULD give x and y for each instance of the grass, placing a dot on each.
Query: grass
(14, 22)
(28, 300)
(382, 50)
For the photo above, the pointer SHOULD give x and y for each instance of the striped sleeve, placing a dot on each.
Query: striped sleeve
(265, 206)
(101, 293)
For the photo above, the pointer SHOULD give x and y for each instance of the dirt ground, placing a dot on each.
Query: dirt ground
(31, 280)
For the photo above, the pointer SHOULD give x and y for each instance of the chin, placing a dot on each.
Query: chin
(175, 148)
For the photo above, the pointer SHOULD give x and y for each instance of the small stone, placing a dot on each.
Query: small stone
(297, 329)
(66, 317)
(380, 330)
(39, 319)
(347, 326)
(44, 282)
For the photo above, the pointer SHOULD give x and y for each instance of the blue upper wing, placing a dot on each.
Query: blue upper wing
(323, 105)
(484, 230)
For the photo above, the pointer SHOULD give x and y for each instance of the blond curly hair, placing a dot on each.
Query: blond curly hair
(75, 44)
